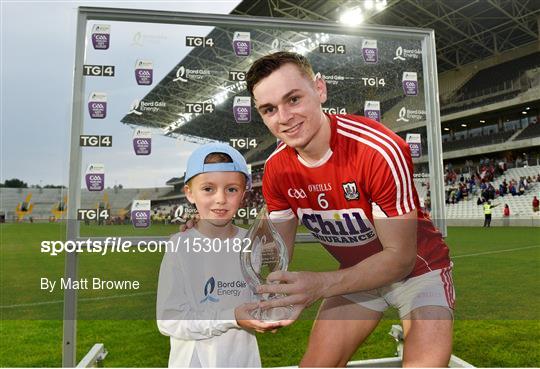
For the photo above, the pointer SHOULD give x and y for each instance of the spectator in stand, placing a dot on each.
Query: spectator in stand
(491, 192)
(521, 188)
(501, 168)
(535, 205)
(427, 202)
(501, 190)
(464, 192)
(512, 189)
(506, 215)
(480, 201)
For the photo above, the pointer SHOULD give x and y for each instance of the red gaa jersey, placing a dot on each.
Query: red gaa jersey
(368, 172)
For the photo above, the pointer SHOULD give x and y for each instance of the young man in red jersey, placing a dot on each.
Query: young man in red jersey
(349, 180)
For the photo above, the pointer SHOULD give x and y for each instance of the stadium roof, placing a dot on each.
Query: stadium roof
(466, 31)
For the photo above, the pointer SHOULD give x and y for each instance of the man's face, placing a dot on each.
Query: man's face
(290, 105)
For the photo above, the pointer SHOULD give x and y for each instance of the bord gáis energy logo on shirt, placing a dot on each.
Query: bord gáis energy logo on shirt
(209, 288)
(232, 288)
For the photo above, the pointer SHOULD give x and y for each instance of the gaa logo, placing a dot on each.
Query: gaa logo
(373, 114)
(296, 194)
(141, 215)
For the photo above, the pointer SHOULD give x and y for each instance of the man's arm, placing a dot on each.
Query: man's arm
(392, 264)
(396, 261)
(287, 230)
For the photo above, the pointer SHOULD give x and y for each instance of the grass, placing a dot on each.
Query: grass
(497, 322)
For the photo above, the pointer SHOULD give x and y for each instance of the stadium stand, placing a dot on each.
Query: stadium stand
(479, 101)
(531, 131)
(520, 206)
(45, 199)
(477, 141)
(483, 83)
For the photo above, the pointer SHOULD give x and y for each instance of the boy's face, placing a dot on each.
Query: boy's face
(217, 195)
(290, 105)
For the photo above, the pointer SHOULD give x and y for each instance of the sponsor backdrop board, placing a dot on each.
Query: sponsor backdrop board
(171, 81)
(148, 84)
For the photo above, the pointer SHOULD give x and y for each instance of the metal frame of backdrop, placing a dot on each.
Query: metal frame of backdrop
(85, 14)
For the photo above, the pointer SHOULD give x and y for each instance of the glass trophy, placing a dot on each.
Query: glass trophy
(265, 254)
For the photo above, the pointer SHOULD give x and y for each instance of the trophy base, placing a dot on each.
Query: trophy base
(273, 315)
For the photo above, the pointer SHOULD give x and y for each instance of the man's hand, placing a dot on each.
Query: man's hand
(244, 319)
(301, 289)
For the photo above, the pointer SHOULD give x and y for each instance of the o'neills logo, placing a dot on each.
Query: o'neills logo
(345, 227)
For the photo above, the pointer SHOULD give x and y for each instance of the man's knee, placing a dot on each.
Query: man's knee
(434, 332)
(320, 359)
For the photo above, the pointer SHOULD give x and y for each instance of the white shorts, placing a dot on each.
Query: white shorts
(435, 288)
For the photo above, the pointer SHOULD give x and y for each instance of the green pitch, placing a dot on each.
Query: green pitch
(496, 273)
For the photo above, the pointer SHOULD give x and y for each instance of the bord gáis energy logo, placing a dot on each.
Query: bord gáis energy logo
(209, 288)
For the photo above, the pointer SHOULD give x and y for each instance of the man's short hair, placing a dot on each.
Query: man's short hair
(268, 64)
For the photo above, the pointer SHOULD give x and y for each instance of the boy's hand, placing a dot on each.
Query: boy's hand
(188, 221)
(243, 316)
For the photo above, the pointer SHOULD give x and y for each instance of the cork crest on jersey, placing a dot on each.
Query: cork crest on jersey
(350, 190)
